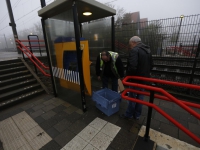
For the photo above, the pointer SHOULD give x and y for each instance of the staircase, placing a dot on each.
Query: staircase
(17, 83)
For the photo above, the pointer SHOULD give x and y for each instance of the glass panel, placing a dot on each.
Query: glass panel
(60, 33)
(98, 34)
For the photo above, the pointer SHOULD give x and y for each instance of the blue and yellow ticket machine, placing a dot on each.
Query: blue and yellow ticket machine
(67, 65)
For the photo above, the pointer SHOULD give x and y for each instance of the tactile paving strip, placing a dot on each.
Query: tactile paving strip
(96, 136)
(21, 132)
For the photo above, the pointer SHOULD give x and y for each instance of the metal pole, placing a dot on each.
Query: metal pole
(5, 41)
(12, 24)
(22, 52)
(79, 55)
(178, 35)
(43, 4)
(113, 33)
(195, 63)
(193, 45)
(81, 30)
(161, 50)
(32, 53)
(146, 136)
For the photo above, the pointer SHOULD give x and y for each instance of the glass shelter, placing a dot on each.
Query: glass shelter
(75, 31)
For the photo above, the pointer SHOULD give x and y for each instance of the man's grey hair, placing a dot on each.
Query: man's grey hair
(135, 39)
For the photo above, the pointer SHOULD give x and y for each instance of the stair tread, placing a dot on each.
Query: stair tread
(13, 73)
(19, 90)
(15, 84)
(22, 96)
(12, 68)
(10, 61)
(10, 64)
(15, 78)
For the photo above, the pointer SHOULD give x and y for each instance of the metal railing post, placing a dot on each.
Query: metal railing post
(21, 47)
(146, 136)
(32, 53)
(195, 63)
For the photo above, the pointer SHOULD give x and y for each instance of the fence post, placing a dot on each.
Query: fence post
(32, 53)
(146, 136)
(195, 63)
(193, 45)
(22, 52)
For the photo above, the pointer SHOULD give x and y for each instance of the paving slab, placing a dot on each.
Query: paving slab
(52, 132)
(48, 115)
(166, 141)
(77, 126)
(62, 125)
(22, 132)
(62, 132)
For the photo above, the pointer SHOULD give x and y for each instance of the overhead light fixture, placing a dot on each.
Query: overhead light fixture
(87, 13)
(182, 16)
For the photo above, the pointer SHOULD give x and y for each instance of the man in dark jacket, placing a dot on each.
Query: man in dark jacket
(109, 66)
(139, 64)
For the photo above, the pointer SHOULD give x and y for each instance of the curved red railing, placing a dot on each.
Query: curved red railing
(166, 97)
(35, 58)
(32, 40)
(32, 54)
(36, 46)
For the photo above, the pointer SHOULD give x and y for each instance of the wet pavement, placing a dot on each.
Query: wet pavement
(56, 124)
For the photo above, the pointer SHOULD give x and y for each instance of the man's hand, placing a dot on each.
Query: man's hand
(99, 78)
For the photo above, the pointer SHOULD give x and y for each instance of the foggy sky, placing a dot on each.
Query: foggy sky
(151, 9)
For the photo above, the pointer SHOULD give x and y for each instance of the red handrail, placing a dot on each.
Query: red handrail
(193, 136)
(185, 85)
(166, 97)
(32, 55)
(36, 46)
(32, 40)
(44, 73)
(160, 90)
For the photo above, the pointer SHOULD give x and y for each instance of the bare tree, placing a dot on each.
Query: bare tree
(37, 28)
(127, 18)
(120, 11)
(119, 15)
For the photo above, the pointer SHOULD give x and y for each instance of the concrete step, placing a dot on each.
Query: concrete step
(11, 65)
(17, 92)
(158, 147)
(18, 85)
(21, 97)
(10, 61)
(11, 70)
(14, 74)
(141, 144)
(16, 80)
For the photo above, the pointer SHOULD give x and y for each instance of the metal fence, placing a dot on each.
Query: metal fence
(174, 45)
(175, 37)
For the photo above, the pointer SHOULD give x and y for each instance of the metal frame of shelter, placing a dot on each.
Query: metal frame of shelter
(98, 11)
